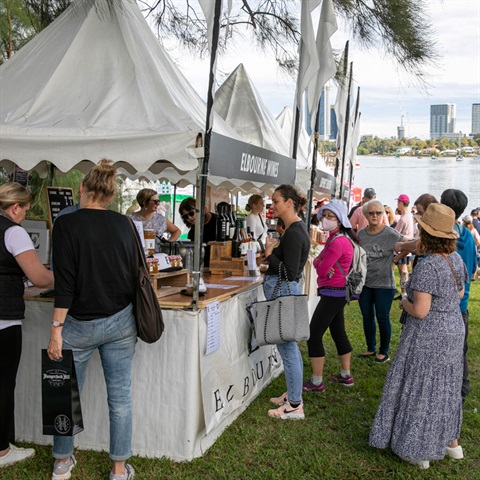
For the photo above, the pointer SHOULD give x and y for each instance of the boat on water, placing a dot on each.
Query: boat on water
(459, 158)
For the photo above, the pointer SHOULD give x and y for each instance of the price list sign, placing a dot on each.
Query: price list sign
(57, 199)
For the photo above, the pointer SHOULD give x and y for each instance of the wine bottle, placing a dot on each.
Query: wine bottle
(237, 241)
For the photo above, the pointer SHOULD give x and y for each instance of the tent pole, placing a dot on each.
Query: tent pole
(203, 168)
(174, 202)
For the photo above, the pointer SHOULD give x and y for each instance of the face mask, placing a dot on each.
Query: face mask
(329, 225)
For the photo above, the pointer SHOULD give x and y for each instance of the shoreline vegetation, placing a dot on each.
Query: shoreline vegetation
(371, 145)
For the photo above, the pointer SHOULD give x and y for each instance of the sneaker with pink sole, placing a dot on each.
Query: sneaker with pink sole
(287, 412)
(281, 400)
(345, 381)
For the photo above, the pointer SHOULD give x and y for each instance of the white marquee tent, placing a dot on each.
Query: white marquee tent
(96, 83)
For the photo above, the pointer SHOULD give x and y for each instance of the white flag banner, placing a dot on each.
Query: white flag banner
(327, 26)
(342, 96)
(208, 7)
(308, 65)
(352, 140)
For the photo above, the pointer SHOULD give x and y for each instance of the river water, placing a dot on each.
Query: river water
(391, 176)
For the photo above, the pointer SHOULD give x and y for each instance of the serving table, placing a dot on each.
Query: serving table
(183, 398)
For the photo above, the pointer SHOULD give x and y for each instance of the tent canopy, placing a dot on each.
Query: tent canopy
(96, 83)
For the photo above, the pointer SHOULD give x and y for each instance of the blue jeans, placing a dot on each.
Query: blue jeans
(289, 351)
(377, 302)
(115, 338)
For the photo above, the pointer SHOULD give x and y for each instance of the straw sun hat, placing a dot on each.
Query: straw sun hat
(438, 220)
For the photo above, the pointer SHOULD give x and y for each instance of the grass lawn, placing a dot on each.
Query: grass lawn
(331, 443)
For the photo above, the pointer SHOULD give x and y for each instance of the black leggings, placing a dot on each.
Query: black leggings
(10, 352)
(328, 314)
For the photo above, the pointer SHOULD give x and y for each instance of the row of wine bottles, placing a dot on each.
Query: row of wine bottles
(231, 228)
(226, 223)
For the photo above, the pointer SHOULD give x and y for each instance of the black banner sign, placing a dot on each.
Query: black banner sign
(324, 183)
(231, 158)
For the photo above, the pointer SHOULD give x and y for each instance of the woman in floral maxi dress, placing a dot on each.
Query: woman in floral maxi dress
(420, 414)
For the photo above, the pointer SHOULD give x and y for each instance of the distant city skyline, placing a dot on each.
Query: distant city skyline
(386, 91)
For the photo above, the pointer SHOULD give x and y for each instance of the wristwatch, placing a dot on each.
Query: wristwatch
(57, 324)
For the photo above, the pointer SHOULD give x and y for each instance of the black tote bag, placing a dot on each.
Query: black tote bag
(61, 409)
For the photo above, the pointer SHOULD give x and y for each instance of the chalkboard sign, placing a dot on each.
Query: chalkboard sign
(20, 176)
(57, 199)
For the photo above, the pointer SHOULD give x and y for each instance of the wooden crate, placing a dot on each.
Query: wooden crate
(178, 278)
(220, 250)
(233, 266)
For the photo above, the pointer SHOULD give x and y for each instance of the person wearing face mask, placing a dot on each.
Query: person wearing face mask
(329, 314)
(378, 241)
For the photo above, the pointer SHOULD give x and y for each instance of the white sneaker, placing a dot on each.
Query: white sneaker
(422, 464)
(63, 470)
(16, 454)
(456, 453)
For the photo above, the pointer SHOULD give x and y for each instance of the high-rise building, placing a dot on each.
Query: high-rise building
(323, 116)
(475, 118)
(333, 123)
(442, 119)
(401, 130)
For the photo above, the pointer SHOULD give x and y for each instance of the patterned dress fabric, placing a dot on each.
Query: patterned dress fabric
(420, 413)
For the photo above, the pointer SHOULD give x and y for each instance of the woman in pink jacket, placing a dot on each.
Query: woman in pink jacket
(331, 289)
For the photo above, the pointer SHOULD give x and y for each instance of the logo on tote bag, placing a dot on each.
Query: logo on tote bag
(56, 378)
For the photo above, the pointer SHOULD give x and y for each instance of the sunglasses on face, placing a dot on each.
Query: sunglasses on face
(156, 202)
(374, 214)
(191, 213)
(330, 217)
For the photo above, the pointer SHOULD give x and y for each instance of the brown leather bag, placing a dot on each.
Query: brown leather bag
(147, 311)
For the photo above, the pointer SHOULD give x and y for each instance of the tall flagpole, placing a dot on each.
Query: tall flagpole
(343, 76)
(352, 158)
(203, 175)
(345, 131)
(313, 174)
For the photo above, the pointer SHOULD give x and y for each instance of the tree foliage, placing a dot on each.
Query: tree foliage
(20, 20)
(15, 27)
(401, 27)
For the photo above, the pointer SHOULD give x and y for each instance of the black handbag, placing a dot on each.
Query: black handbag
(61, 409)
(147, 311)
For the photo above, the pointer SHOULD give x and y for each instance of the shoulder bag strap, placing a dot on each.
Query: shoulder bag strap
(281, 270)
(139, 254)
(453, 272)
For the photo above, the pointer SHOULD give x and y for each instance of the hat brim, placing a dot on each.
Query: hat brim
(452, 234)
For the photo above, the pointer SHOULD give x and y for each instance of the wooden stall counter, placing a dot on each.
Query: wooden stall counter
(219, 288)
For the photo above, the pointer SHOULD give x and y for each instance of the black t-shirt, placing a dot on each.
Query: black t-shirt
(209, 230)
(93, 263)
(209, 235)
(292, 251)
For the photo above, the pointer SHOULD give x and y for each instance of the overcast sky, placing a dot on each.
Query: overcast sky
(386, 92)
